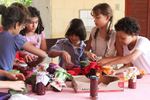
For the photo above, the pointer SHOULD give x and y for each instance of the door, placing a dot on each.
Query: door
(139, 9)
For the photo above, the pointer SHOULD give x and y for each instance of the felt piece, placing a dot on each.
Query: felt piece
(52, 68)
(74, 71)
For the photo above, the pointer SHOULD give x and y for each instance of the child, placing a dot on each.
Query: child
(13, 20)
(33, 32)
(102, 38)
(136, 49)
(70, 50)
(15, 85)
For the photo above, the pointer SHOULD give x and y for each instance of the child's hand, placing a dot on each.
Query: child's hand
(91, 55)
(16, 85)
(18, 76)
(30, 58)
(103, 62)
(67, 58)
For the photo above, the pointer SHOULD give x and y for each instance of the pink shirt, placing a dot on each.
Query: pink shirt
(36, 39)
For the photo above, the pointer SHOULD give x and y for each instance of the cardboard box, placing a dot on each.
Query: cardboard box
(82, 84)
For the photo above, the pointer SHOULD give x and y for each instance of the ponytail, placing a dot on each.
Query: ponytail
(109, 28)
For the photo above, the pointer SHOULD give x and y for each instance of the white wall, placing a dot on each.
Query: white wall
(56, 14)
(44, 6)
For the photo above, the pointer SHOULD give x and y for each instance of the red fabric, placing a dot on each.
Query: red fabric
(26, 71)
(85, 70)
(74, 71)
(92, 65)
(18, 57)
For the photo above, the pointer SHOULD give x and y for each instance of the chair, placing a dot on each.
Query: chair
(51, 42)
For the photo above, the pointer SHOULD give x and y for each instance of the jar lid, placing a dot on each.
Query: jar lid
(94, 77)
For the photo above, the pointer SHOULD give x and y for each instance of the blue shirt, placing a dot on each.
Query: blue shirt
(9, 44)
(76, 54)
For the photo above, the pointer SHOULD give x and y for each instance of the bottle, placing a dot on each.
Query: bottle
(93, 86)
(132, 83)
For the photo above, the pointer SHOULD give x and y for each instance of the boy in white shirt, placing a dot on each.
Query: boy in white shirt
(136, 49)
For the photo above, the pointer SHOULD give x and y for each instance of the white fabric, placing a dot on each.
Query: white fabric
(99, 45)
(21, 97)
(143, 61)
(42, 77)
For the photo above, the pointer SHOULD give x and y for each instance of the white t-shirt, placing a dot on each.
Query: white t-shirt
(143, 61)
(101, 47)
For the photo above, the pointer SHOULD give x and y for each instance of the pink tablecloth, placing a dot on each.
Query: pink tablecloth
(142, 92)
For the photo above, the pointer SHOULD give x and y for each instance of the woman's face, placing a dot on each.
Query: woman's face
(101, 20)
(74, 39)
(124, 38)
(32, 24)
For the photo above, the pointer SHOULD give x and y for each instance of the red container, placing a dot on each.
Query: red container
(93, 86)
(132, 83)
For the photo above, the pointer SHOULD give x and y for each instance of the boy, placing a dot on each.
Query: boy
(136, 49)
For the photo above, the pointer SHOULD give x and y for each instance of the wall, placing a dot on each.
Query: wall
(44, 6)
(56, 14)
(64, 10)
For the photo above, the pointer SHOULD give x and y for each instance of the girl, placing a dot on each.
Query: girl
(136, 49)
(102, 38)
(70, 50)
(33, 32)
(13, 20)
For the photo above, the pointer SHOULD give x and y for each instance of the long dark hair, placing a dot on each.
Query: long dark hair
(105, 9)
(34, 13)
(76, 27)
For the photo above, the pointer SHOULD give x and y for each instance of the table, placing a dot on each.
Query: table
(141, 92)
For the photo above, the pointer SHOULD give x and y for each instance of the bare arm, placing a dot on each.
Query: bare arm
(12, 76)
(55, 53)
(32, 49)
(3, 72)
(15, 85)
(120, 59)
(65, 55)
(88, 44)
(87, 52)
(36, 51)
(43, 45)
